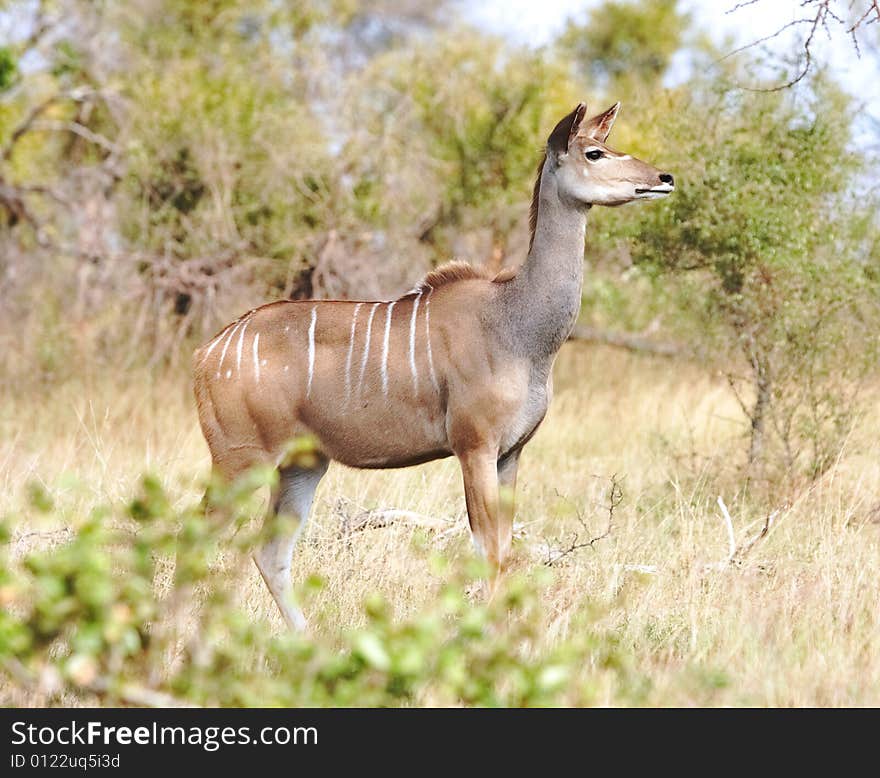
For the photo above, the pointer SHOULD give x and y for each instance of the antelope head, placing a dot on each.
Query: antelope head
(593, 173)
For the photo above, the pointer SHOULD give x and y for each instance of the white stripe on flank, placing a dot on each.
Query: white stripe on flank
(385, 349)
(367, 346)
(257, 356)
(225, 347)
(354, 319)
(428, 341)
(312, 349)
(238, 349)
(213, 344)
(412, 343)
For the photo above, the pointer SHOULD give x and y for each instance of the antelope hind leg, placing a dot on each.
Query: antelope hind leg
(287, 517)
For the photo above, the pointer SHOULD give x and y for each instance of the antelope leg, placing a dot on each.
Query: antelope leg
(288, 514)
(491, 527)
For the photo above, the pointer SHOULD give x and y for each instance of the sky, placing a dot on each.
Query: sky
(534, 22)
(537, 22)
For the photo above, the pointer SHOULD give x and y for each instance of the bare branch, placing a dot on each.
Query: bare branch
(873, 8)
(731, 381)
(42, 24)
(45, 534)
(78, 95)
(765, 528)
(731, 539)
(138, 696)
(11, 199)
(48, 680)
(766, 38)
(26, 124)
(361, 519)
(629, 341)
(615, 497)
(77, 129)
(736, 553)
(825, 14)
(380, 519)
(740, 5)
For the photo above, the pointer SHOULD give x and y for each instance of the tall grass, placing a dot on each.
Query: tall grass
(794, 622)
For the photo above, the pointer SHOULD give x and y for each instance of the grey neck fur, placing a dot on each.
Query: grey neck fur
(540, 305)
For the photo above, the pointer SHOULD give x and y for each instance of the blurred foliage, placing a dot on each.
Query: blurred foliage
(8, 68)
(481, 128)
(165, 164)
(773, 261)
(91, 618)
(625, 43)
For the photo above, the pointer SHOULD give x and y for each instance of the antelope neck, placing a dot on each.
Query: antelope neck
(540, 305)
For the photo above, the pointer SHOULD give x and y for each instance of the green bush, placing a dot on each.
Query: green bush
(765, 250)
(89, 618)
(8, 68)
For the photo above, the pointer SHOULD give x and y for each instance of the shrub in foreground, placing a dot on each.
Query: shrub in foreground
(91, 620)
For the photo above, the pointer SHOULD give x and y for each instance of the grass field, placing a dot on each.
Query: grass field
(793, 622)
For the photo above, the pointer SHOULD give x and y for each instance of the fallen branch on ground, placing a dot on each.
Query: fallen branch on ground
(379, 519)
(736, 553)
(48, 681)
(50, 533)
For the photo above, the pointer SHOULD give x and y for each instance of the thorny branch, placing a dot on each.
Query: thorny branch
(583, 538)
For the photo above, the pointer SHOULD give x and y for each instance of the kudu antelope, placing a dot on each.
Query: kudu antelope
(461, 365)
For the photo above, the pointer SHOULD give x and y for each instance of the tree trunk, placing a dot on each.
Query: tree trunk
(759, 411)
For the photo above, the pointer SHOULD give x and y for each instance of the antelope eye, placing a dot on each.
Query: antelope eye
(594, 154)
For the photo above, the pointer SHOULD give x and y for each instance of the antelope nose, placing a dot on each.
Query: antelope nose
(667, 178)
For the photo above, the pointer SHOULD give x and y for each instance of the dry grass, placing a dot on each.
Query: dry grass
(794, 624)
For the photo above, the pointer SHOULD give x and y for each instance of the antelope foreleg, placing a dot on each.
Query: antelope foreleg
(491, 526)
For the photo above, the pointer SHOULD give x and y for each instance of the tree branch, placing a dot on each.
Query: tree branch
(824, 13)
(615, 497)
(630, 342)
(76, 128)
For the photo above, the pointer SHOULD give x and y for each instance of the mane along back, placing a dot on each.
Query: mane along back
(536, 196)
(450, 273)
(457, 270)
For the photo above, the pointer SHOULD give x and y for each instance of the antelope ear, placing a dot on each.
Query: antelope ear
(565, 131)
(599, 127)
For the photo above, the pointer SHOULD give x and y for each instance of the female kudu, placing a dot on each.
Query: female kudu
(461, 365)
